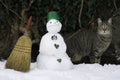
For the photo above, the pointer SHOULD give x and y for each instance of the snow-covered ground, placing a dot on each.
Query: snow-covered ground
(79, 72)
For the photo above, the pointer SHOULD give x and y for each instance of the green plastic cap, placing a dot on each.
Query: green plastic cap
(52, 15)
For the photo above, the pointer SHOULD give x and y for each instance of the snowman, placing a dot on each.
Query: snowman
(52, 51)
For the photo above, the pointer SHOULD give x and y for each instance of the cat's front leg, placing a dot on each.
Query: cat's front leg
(76, 58)
(95, 57)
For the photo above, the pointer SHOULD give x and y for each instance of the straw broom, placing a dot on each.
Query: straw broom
(20, 57)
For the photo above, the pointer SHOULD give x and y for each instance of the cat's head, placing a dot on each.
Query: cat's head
(104, 28)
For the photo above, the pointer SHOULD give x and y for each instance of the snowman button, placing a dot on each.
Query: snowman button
(56, 46)
(54, 37)
(59, 60)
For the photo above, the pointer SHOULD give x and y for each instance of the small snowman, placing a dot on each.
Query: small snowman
(52, 51)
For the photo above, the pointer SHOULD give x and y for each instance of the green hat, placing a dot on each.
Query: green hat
(52, 15)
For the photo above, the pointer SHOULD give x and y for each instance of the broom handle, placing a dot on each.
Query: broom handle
(29, 23)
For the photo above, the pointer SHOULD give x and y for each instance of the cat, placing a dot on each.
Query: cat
(102, 40)
(86, 42)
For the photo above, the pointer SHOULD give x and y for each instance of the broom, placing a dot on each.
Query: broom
(20, 56)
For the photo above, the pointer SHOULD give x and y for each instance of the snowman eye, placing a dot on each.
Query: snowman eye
(50, 22)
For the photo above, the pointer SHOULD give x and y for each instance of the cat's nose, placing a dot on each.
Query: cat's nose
(105, 29)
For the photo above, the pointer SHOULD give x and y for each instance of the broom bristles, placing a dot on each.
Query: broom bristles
(20, 57)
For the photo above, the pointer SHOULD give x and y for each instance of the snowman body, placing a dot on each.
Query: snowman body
(53, 50)
(52, 44)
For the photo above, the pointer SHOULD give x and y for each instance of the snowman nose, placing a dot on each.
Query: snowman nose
(55, 22)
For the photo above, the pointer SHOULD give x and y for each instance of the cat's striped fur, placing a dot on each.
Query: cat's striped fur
(79, 45)
(90, 43)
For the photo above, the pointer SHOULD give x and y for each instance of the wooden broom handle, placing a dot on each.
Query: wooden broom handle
(29, 23)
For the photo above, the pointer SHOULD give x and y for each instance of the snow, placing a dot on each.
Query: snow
(79, 72)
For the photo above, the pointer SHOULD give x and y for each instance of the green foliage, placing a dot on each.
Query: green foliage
(67, 9)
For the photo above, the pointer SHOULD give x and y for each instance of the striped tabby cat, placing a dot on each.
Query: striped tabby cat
(102, 40)
(89, 43)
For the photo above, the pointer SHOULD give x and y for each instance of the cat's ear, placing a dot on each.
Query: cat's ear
(99, 21)
(110, 21)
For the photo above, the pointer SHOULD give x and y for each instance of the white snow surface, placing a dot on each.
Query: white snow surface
(79, 72)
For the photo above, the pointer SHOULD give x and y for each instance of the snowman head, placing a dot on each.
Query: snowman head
(53, 25)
